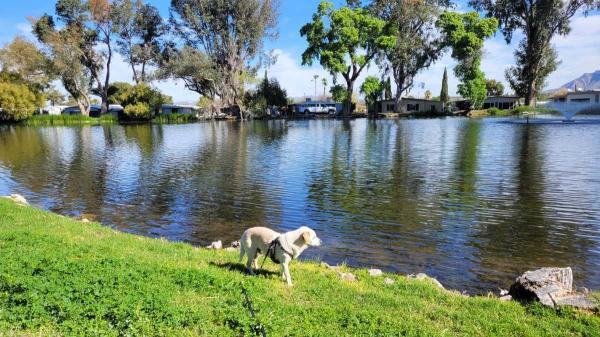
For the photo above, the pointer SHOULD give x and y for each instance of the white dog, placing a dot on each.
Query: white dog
(281, 248)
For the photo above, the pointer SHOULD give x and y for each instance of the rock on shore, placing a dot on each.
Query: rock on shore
(552, 287)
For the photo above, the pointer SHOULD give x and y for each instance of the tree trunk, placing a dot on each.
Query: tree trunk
(398, 98)
(531, 98)
(347, 112)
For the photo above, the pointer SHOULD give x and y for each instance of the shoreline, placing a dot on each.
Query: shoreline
(63, 276)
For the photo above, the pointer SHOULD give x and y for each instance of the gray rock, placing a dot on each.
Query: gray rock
(388, 281)
(550, 286)
(235, 244)
(503, 292)
(375, 272)
(422, 276)
(230, 249)
(215, 245)
(506, 298)
(347, 276)
(18, 199)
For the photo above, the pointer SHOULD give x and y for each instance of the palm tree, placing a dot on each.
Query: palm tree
(324, 81)
(315, 79)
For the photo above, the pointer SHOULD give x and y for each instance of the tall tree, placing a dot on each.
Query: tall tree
(387, 87)
(417, 42)
(444, 97)
(230, 33)
(25, 59)
(465, 34)
(139, 28)
(344, 41)
(494, 88)
(539, 21)
(64, 49)
(89, 26)
(324, 82)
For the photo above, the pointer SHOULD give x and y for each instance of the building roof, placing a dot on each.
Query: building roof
(179, 106)
(411, 99)
(584, 92)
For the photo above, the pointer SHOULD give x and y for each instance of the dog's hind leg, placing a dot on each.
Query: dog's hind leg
(251, 254)
(242, 252)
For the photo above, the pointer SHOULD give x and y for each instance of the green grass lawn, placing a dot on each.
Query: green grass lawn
(64, 277)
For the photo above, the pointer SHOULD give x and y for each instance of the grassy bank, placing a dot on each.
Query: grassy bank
(41, 120)
(63, 277)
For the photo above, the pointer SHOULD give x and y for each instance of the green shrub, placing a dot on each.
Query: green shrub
(494, 111)
(174, 119)
(138, 111)
(139, 102)
(67, 120)
(17, 102)
(527, 109)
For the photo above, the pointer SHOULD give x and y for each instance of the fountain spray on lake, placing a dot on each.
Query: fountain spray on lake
(568, 110)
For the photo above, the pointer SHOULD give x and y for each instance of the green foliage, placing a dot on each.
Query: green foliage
(138, 111)
(174, 119)
(17, 102)
(64, 277)
(540, 21)
(529, 109)
(494, 88)
(338, 92)
(444, 96)
(41, 120)
(372, 88)
(268, 94)
(417, 43)
(140, 102)
(139, 28)
(344, 41)
(465, 34)
(387, 87)
(228, 35)
(519, 76)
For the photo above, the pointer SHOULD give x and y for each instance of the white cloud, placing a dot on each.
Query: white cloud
(579, 51)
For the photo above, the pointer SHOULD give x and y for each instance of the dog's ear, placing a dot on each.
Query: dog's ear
(306, 236)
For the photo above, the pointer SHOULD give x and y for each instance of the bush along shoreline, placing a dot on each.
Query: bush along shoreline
(61, 276)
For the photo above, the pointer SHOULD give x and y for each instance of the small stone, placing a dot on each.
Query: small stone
(85, 220)
(235, 244)
(503, 292)
(375, 272)
(230, 249)
(325, 264)
(506, 298)
(422, 276)
(388, 281)
(18, 199)
(215, 245)
(348, 276)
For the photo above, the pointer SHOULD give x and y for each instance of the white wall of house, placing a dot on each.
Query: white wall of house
(501, 102)
(588, 97)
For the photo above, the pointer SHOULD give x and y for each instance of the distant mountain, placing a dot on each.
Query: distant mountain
(588, 81)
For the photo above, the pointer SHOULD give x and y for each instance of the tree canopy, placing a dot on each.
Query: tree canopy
(344, 41)
(372, 88)
(228, 36)
(540, 21)
(465, 35)
(417, 41)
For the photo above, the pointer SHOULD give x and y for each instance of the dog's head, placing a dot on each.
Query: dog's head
(310, 237)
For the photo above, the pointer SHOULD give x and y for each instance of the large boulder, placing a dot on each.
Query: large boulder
(550, 286)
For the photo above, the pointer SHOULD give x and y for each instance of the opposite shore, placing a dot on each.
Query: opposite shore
(62, 276)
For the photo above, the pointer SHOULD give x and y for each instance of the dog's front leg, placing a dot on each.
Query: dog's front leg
(286, 271)
(283, 271)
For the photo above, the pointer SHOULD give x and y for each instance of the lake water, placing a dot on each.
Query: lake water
(471, 202)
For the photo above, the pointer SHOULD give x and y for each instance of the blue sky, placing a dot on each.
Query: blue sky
(579, 51)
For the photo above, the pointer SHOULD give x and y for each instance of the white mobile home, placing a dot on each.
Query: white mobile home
(411, 105)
